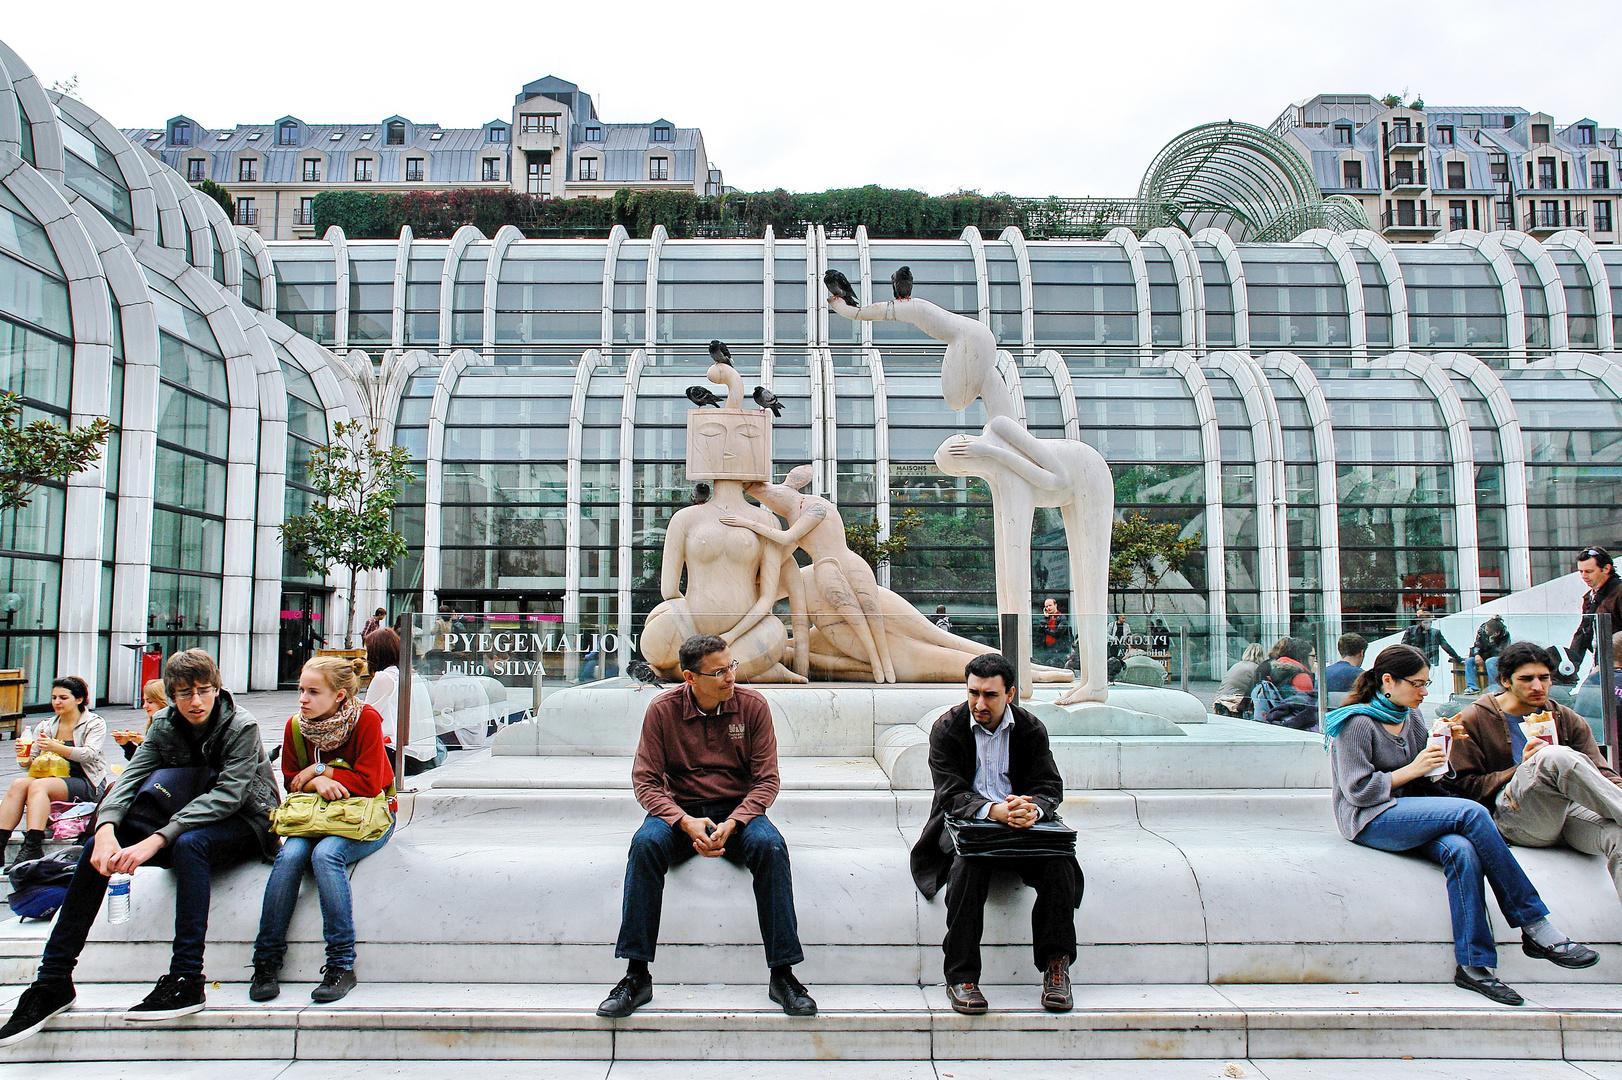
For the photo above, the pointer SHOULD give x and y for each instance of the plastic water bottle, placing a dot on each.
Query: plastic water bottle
(118, 898)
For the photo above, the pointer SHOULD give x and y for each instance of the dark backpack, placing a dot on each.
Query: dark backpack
(54, 869)
(1298, 711)
(37, 901)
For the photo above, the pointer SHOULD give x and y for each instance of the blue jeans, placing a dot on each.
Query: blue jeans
(193, 858)
(1491, 664)
(328, 859)
(1461, 836)
(657, 847)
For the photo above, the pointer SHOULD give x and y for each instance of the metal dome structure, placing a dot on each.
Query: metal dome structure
(1244, 180)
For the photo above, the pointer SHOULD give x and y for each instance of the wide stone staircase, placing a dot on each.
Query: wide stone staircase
(1219, 923)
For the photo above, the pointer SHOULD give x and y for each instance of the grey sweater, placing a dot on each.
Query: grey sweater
(1363, 757)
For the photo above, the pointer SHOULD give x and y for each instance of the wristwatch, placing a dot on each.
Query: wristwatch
(320, 768)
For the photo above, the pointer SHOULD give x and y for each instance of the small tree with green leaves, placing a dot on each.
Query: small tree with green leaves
(352, 526)
(34, 453)
(1144, 552)
(862, 537)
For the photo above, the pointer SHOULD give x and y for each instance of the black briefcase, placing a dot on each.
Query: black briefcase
(994, 840)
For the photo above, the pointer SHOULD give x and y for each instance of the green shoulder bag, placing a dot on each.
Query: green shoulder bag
(305, 813)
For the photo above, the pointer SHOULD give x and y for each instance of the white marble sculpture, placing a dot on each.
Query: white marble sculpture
(733, 576)
(859, 627)
(1023, 473)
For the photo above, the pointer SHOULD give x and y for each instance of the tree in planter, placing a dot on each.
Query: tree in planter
(862, 537)
(352, 526)
(41, 451)
(1144, 552)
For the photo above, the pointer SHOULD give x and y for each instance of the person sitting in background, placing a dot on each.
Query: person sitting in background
(74, 734)
(943, 620)
(383, 694)
(1383, 798)
(1339, 676)
(1233, 696)
(153, 702)
(1284, 676)
(1540, 793)
(1491, 637)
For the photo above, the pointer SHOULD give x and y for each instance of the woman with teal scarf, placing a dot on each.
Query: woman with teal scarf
(1384, 800)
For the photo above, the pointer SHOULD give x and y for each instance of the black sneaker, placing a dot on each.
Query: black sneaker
(335, 983)
(174, 996)
(628, 995)
(264, 985)
(41, 1001)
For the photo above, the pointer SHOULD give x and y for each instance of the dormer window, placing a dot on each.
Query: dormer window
(246, 171)
(497, 134)
(1540, 134)
(396, 133)
(287, 134)
(1585, 136)
(180, 133)
(661, 134)
(1343, 134)
(594, 134)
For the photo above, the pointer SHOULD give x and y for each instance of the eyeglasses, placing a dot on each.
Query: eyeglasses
(195, 692)
(728, 670)
(1419, 684)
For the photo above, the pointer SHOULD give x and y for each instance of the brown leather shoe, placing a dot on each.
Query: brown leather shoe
(1056, 986)
(966, 998)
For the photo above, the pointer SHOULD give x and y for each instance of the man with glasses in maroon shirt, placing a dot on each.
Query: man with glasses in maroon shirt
(705, 771)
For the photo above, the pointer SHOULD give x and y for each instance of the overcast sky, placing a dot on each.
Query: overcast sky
(1024, 96)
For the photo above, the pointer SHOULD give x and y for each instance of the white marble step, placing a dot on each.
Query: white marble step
(1085, 1069)
(580, 771)
(387, 1022)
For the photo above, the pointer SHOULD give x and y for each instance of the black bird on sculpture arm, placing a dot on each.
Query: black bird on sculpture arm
(720, 353)
(643, 672)
(901, 283)
(702, 397)
(768, 400)
(839, 285)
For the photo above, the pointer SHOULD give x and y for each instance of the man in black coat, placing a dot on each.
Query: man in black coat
(1604, 596)
(990, 761)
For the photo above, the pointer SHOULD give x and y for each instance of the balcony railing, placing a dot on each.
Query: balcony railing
(304, 217)
(1544, 220)
(1411, 219)
(245, 215)
(1398, 179)
(1404, 135)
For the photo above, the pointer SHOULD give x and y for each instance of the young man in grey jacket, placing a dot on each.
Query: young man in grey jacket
(225, 824)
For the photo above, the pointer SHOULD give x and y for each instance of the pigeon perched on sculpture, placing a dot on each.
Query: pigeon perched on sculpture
(839, 285)
(901, 283)
(768, 400)
(643, 672)
(701, 397)
(720, 353)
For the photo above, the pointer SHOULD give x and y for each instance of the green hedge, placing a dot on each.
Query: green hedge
(886, 212)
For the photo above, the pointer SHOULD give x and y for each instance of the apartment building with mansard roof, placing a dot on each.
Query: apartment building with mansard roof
(1423, 172)
(551, 144)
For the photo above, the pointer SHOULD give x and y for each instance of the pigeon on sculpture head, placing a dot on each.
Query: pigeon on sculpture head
(768, 400)
(839, 285)
(901, 283)
(720, 353)
(702, 397)
(643, 672)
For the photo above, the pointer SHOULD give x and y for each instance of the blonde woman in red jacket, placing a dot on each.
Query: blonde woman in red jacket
(339, 730)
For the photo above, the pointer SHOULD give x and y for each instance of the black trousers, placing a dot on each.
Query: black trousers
(1053, 916)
